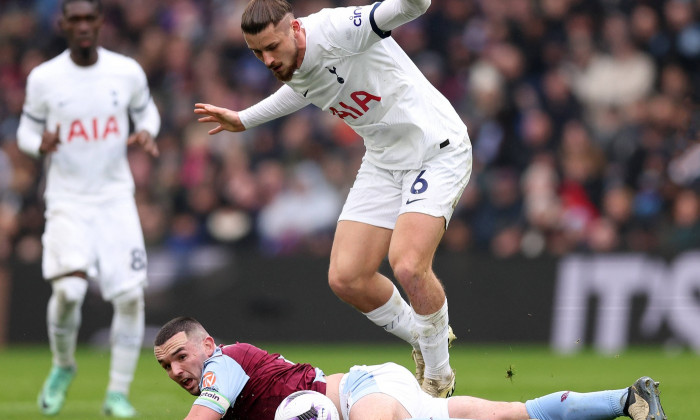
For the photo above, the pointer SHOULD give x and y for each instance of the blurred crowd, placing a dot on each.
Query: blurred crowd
(582, 114)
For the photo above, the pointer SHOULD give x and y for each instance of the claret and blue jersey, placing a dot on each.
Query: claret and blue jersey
(242, 381)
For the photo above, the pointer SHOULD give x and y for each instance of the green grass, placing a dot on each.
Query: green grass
(481, 371)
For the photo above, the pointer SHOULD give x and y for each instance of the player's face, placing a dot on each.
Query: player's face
(278, 48)
(183, 359)
(80, 23)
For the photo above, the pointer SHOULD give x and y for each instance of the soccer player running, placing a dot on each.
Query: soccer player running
(76, 113)
(416, 165)
(241, 381)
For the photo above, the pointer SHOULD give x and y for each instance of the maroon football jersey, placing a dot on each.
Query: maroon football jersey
(272, 379)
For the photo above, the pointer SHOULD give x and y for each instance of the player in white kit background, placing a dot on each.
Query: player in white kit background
(416, 165)
(76, 117)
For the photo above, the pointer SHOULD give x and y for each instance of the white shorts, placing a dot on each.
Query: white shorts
(393, 380)
(379, 196)
(104, 240)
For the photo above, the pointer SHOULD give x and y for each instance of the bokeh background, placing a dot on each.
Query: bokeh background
(585, 128)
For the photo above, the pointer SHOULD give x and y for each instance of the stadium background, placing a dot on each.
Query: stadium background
(584, 120)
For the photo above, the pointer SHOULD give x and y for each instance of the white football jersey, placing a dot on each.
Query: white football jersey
(357, 72)
(91, 106)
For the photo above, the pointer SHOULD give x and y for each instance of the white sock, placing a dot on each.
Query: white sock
(127, 336)
(63, 317)
(396, 317)
(433, 330)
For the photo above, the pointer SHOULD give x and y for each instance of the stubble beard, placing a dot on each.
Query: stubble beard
(289, 73)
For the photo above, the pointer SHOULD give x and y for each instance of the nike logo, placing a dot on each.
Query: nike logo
(409, 201)
(307, 91)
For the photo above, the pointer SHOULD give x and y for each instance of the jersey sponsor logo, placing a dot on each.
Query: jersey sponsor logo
(93, 129)
(409, 201)
(361, 98)
(356, 17)
(209, 379)
(564, 396)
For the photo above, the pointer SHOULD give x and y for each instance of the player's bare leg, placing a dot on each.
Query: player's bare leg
(411, 252)
(464, 407)
(358, 250)
(63, 318)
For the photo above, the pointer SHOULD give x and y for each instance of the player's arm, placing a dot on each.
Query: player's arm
(390, 14)
(199, 412)
(32, 136)
(281, 103)
(33, 140)
(144, 114)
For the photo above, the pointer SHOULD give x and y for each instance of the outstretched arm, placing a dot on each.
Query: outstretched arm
(281, 103)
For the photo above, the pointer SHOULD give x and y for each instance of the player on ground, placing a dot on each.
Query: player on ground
(76, 113)
(241, 381)
(417, 163)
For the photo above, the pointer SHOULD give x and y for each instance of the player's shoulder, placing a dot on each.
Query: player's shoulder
(50, 67)
(114, 58)
(338, 24)
(331, 15)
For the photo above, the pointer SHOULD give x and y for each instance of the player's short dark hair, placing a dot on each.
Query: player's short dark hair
(96, 3)
(258, 14)
(177, 325)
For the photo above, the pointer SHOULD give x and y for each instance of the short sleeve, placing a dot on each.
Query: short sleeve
(223, 380)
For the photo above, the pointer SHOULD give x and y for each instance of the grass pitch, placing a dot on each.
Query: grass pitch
(498, 372)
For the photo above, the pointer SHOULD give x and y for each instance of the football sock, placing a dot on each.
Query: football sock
(601, 405)
(63, 317)
(127, 337)
(396, 317)
(433, 334)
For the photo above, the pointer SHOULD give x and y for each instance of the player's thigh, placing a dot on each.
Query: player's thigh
(67, 243)
(358, 249)
(121, 251)
(397, 387)
(365, 224)
(415, 239)
(378, 406)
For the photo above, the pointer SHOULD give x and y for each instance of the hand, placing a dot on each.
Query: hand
(228, 120)
(49, 141)
(146, 141)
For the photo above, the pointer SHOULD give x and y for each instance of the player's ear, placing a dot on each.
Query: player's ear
(61, 24)
(209, 345)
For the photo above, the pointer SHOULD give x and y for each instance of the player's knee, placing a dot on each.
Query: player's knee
(70, 290)
(408, 272)
(130, 302)
(345, 284)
